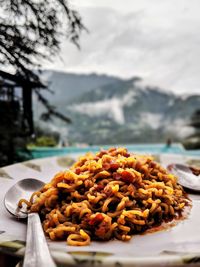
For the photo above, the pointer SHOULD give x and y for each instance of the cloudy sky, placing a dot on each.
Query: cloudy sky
(156, 40)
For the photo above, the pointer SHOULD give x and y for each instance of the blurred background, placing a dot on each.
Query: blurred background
(79, 75)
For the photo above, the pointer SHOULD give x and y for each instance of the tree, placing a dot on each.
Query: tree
(193, 141)
(195, 120)
(30, 31)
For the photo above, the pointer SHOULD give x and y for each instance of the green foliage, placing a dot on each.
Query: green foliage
(44, 141)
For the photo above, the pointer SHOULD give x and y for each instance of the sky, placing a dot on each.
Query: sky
(156, 40)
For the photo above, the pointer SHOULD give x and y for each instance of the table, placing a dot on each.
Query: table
(11, 242)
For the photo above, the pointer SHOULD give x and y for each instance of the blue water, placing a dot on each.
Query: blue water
(41, 152)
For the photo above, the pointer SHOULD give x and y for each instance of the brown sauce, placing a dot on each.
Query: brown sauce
(169, 224)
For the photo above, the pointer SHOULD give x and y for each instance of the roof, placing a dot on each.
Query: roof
(14, 80)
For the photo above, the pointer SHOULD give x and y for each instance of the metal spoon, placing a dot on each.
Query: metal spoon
(37, 252)
(185, 176)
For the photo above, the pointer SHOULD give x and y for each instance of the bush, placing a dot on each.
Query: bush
(44, 141)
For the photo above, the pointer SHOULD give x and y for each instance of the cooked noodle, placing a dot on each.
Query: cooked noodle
(113, 194)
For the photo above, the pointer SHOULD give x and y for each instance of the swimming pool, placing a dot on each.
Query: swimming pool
(41, 152)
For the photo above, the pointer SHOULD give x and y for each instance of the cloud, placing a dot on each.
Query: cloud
(151, 119)
(180, 124)
(157, 40)
(111, 108)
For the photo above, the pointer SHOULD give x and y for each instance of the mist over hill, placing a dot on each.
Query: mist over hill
(68, 86)
(110, 110)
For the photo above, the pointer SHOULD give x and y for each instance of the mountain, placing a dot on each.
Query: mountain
(109, 110)
(68, 86)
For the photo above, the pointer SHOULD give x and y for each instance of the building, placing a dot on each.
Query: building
(16, 114)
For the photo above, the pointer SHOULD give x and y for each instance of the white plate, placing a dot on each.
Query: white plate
(179, 245)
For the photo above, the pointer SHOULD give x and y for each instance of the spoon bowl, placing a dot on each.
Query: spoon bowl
(186, 178)
(36, 252)
(22, 189)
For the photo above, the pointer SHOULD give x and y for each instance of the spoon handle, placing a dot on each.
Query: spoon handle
(37, 253)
